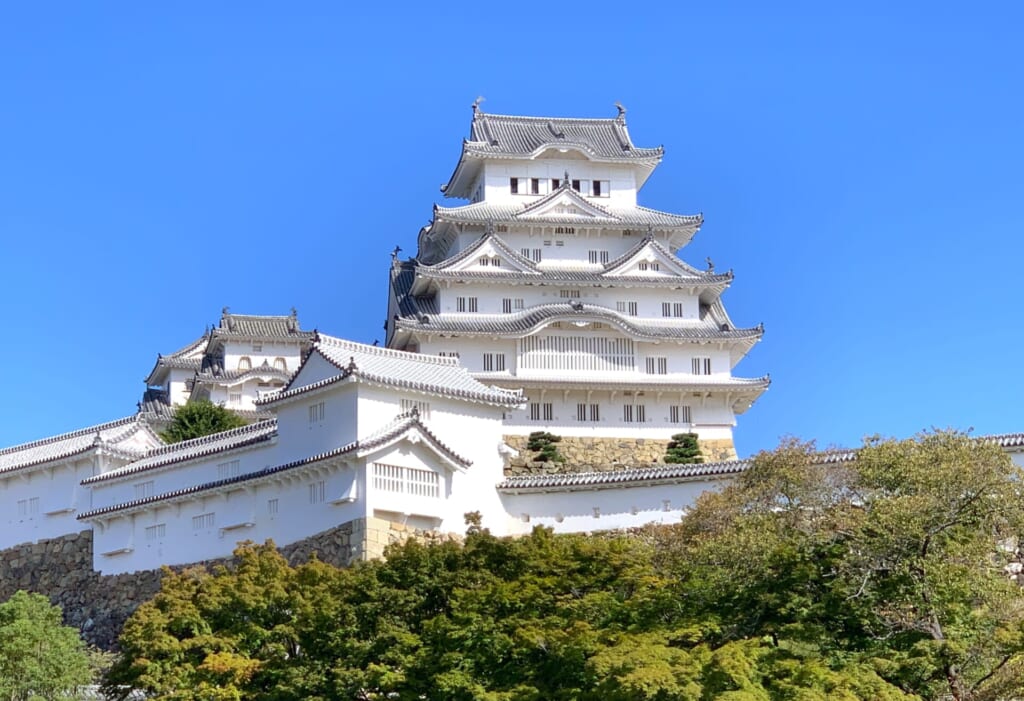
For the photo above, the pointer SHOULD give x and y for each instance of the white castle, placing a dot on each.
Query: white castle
(551, 302)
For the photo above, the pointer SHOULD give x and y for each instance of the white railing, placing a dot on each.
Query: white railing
(406, 480)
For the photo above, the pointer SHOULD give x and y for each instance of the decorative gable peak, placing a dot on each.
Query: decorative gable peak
(565, 203)
(651, 258)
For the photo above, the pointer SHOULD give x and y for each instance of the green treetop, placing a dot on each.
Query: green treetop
(39, 657)
(199, 418)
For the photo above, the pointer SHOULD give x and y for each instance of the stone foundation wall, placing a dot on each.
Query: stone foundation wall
(607, 454)
(98, 605)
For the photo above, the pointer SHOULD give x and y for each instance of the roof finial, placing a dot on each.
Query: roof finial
(295, 313)
(622, 110)
(476, 103)
(711, 264)
(489, 228)
(351, 364)
(650, 232)
(394, 253)
(224, 311)
(566, 183)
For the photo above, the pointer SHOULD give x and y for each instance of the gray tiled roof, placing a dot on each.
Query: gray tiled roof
(1006, 440)
(193, 351)
(671, 383)
(498, 243)
(66, 445)
(507, 135)
(401, 424)
(188, 358)
(217, 375)
(503, 213)
(524, 322)
(400, 369)
(254, 326)
(194, 449)
(686, 275)
(655, 474)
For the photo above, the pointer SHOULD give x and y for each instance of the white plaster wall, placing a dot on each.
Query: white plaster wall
(180, 475)
(472, 430)
(235, 350)
(299, 437)
(56, 487)
(712, 419)
(630, 507)
(496, 176)
(649, 300)
(295, 518)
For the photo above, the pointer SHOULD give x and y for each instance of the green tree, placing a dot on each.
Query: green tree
(199, 418)
(683, 448)
(39, 657)
(894, 559)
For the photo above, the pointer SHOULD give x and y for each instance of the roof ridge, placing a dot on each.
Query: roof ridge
(388, 352)
(70, 434)
(596, 120)
(212, 437)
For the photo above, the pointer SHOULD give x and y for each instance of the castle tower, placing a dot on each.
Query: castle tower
(553, 279)
(243, 358)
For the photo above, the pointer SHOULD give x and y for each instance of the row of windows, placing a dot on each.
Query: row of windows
(494, 261)
(208, 521)
(509, 305)
(245, 363)
(653, 365)
(28, 507)
(539, 186)
(631, 413)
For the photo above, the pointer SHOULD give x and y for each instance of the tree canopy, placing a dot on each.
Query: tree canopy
(198, 418)
(807, 578)
(40, 658)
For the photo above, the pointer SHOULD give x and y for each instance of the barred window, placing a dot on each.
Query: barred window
(679, 414)
(494, 362)
(204, 522)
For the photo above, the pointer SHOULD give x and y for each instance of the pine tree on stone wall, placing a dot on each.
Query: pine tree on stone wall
(683, 449)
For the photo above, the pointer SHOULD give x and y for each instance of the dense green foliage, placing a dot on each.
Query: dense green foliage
(683, 448)
(545, 446)
(40, 658)
(875, 579)
(199, 418)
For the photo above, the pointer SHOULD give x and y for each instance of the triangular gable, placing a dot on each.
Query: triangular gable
(491, 247)
(647, 252)
(314, 370)
(565, 203)
(410, 430)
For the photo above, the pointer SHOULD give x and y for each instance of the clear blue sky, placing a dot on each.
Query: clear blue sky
(858, 166)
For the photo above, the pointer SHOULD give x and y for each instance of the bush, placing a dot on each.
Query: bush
(543, 443)
(683, 448)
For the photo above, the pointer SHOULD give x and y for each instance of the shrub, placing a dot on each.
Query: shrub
(683, 448)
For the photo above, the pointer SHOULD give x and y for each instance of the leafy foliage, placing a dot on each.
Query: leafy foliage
(683, 448)
(544, 444)
(199, 418)
(874, 579)
(39, 656)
